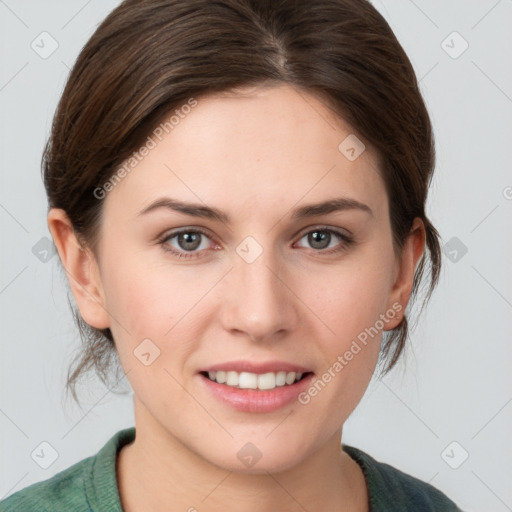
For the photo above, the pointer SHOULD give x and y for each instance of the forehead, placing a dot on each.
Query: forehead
(254, 148)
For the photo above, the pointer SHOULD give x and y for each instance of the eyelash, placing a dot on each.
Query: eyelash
(345, 243)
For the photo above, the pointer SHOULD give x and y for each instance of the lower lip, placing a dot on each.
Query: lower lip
(254, 400)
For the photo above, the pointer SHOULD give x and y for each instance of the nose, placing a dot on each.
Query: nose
(258, 299)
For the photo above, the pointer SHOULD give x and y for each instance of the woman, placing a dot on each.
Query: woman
(237, 193)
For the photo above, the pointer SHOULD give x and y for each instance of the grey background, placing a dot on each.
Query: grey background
(451, 394)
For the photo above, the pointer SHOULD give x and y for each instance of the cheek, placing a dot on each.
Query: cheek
(155, 302)
(137, 301)
(350, 305)
(140, 302)
(350, 298)
(144, 309)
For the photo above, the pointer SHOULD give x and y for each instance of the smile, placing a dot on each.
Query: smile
(248, 380)
(263, 392)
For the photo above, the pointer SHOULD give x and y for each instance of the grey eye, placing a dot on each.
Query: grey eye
(189, 241)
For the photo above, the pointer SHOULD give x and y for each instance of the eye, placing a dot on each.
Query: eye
(326, 238)
(186, 243)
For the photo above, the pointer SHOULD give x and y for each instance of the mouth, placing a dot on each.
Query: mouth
(256, 381)
(251, 386)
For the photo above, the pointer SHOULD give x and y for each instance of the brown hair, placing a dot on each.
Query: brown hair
(149, 57)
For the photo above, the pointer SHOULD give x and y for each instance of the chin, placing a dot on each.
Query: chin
(248, 459)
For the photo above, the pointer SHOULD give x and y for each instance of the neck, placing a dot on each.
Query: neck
(157, 472)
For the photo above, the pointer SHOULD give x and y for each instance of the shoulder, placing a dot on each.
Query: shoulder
(393, 490)
(63, 491)
(89, 484)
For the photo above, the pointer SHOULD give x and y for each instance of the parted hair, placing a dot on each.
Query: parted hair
(148, 57)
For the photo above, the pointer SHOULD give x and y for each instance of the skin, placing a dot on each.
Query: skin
(256, 156)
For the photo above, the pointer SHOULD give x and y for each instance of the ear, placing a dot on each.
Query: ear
(401, 290)
(81, 268)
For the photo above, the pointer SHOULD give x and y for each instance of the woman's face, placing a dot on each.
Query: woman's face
(268, 272)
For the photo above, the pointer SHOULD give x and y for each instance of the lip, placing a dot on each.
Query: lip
(255, 400)
(254, 367)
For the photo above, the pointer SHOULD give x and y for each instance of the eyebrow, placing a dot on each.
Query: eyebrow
(208, 212)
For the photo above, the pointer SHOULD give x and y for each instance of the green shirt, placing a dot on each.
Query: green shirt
(91, 485)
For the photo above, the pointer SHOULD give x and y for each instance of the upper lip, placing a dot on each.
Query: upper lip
(254, 367)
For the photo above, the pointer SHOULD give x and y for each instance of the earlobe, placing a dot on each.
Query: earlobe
(81, 268)
(401, 290)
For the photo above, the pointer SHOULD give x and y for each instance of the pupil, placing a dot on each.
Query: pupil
(189, 241)
(319, 239)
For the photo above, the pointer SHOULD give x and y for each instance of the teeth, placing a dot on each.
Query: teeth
(247, 380)
(232, 379)
(281, 378)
